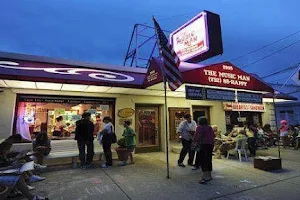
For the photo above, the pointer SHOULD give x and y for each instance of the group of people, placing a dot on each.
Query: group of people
(197, 139)
(84, 134)
(16, 181)
(289, 134)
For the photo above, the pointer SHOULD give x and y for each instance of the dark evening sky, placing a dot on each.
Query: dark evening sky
(99, 30)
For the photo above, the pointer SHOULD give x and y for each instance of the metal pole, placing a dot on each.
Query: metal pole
(278, 138)
(166, 126)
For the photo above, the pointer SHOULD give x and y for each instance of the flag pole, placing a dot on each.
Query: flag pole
(165, 108)
(166, 128)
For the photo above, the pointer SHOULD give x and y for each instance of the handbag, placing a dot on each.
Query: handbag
(113, 136)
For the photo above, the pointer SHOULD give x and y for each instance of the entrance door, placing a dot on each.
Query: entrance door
(201, 111)
(175, 117)
(147, 129)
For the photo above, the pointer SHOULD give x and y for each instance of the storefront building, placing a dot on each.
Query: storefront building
(36, 89)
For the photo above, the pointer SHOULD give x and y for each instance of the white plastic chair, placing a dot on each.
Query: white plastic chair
(240, 148)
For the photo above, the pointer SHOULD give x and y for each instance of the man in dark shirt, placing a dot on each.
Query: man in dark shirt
(84, 136)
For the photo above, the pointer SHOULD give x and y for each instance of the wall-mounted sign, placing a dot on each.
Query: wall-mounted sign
(232, 106)
(198, 39)
(249, 97)
(125, 112)
(194, 93)
(199, 93)
(222, 95)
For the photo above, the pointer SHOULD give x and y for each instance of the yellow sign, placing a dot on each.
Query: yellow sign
(125, 112)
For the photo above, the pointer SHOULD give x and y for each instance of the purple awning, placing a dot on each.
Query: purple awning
(14, 68)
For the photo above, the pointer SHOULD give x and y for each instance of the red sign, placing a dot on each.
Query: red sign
(154, 74)
(225, 75)
(244, 107)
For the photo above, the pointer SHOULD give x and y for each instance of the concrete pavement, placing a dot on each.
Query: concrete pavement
(147, 180)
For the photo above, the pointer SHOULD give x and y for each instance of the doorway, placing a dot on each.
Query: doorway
(176, 115)
(201, 111)
(147, 128)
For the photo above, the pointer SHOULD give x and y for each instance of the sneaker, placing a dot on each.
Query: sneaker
(38, 166)
(195, 168)
(39, 198)
(202, 181)
(35, 178)
(181, 165)
(104, 166)
(122, 164)
(30, 187)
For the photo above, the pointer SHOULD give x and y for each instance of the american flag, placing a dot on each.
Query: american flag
(170, 59)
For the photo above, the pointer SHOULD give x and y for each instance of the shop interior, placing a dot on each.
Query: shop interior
(35, 114)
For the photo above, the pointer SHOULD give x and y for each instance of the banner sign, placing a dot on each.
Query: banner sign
(225, 75)
(249, 97)
(64, 99)
(233, 106)
(198, 39)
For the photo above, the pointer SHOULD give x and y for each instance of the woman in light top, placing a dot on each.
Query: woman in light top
(105, 137)
(59, 126)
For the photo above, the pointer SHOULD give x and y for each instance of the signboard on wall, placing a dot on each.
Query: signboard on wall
(249, 97)
(198, 39)
(194, 93)
(125, 112)
(222, 95)
(199, 93)
(233, 106)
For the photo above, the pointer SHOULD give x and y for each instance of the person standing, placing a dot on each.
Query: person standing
(84, 136)
(105, 137)
(186, 129)
(205, 141)
(130, 141)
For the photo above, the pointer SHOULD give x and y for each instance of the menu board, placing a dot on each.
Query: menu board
(249, 97)
(222, 95)
(194, 93)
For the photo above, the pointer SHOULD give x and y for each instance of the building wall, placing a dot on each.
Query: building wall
(7, 107)
(217, 113)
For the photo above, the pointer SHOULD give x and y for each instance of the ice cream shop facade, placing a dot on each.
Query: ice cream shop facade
(38, 90)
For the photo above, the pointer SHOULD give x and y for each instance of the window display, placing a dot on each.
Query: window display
(57, 115)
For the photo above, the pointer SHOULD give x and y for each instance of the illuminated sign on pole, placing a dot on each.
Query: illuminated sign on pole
(198, 39)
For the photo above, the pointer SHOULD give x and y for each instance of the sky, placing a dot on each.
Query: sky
(99, 31)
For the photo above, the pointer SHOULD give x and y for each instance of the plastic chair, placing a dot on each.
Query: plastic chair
(240, 148)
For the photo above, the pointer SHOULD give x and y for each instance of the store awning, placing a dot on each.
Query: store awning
(222, 75)
(40, 69)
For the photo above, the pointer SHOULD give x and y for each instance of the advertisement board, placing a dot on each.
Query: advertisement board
(198, 39)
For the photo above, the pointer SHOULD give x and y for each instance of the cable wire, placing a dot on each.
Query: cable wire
(265, 46)
(267, 56)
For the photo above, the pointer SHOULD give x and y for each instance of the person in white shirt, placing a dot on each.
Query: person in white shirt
(187, 129)
(105, 137)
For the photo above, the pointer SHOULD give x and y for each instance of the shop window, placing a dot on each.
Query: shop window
(39, 113)
(176, 115)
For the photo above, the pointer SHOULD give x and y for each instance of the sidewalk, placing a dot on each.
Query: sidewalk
(147, 180)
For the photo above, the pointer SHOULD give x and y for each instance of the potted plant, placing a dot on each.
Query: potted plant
(122, 150)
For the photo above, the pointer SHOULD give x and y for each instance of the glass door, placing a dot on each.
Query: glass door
(201, 111)
(176, 115)
(147, 128)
